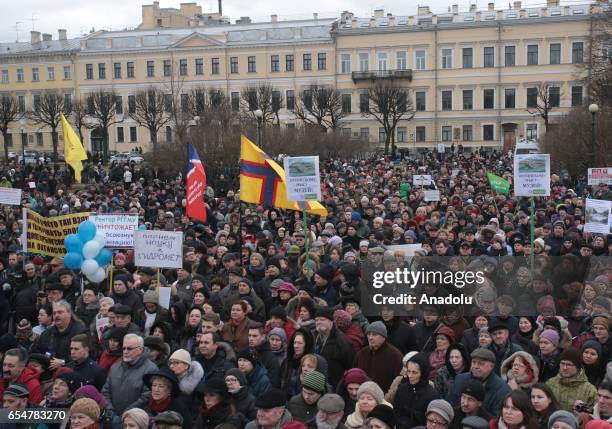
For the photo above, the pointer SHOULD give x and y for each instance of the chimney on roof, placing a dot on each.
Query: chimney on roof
(473, 8)
(379, 13)
(517, 5)
(315, 16)
(34, 37)
(455, 9)
(220, 7)
(62, 34)
(491, 6)
(423, 10)
(552, 3)
(274, 18)
(47, 37)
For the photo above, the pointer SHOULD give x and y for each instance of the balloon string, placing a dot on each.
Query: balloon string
(110, 287)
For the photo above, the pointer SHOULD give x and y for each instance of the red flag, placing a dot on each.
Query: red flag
(196, 185)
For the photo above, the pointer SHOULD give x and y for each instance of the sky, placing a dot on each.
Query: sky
(80, 16)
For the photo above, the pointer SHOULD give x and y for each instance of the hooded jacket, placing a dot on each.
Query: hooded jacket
(258, 380)
(29, 378)
(190, 380)
(568, 389)
(446, 375)
(527, 381)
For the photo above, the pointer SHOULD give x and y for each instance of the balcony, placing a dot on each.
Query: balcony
(381, 74)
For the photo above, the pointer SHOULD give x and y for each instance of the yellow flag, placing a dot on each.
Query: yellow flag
(73, 149)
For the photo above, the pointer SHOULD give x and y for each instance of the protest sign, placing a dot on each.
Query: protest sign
(165, 293)
(532, 175)
(441, 148)
(408, 249)
(10, 196)
(600, 175)
(421, 180)
(432, 195)
(158, 249)
(302, 178)
(597, 216)
(45, 235)
(117, 228)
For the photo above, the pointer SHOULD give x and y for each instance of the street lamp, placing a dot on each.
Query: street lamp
(22, 123)
(259, 116)
(593, 108)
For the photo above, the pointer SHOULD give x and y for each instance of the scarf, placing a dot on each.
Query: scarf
(158, 407)
(205, 412)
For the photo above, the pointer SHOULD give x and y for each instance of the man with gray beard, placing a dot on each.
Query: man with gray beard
(331, 411)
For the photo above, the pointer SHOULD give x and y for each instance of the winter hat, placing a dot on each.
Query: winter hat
(355, 376)
(273, 398)
(342, 319)
(181, 355)
(373, 390)
(475, 389)
(601, 321)
(288, 287)
(551, 335)
(326, 272)
(355, 217)
(7, 341)
(377, 327)
(331, 403)
(247, 354)
(563, 416)
(597, 424)
(42, 359)
(293, 250)
(91, 392)
(157, 343)
(276, 283)
(326, 312)
(24, 330)
(279, 332)
(447, 332)
(442, 408)
(483, 354)
(279, 312)
(592, 344)
(17, 391)
(546, 302)
(475, 422)
(72, 379)
(572, 355)
(235, 372)
(602, 301)
(314, 381)
(385, 414)
(86, 406)
(151, 297)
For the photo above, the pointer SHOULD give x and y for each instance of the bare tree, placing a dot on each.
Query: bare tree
(263, 97)
(79, 118)
(9, 112)
(389, 104)
(545, 103)
(102, 106)
(321, 106)
(598, 65)
(48, 111)
(149, 112)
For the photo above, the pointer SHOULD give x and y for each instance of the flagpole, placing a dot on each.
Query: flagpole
(306, 232)
(532, 232)
(240, 231)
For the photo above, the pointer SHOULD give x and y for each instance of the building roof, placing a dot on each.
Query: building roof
(41, 48)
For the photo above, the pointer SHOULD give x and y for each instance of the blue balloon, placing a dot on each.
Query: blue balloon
(104, 257)
(87, 231)
(73, 260)
(142, 227)
(73, 243)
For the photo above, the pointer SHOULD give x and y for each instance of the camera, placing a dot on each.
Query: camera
(583, 408)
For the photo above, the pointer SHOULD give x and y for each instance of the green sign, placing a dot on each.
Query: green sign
(498, 184)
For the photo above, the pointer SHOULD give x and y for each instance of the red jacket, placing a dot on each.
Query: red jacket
(106, 360)
(29, 378)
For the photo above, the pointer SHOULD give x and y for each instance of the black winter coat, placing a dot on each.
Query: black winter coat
(411, 401)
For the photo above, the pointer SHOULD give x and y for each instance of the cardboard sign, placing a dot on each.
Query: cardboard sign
(421, 179)
(10, 196)
(532, 175)
(441, 148)
(597, 216)
(117, 228)
(45, 235)
(408, 248)
(432, 195)
(302, 178)
(158, 249)
(600, 175)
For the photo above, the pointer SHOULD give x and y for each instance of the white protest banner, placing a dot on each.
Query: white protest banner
(532, 175)
(600, 175)
(421, 180)
(302, 178)
(597, 216)
(454, 172)
(441, 148)
(117, 228)
(409, 249)
(10, 196)
(158, 249)
(432, 195)
(164, 296)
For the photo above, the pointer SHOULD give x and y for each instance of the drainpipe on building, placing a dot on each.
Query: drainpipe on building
(499, 86)
(436, 137)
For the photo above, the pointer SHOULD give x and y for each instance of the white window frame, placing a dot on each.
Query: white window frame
(382, 58)
(555, 42)
(361, 59)
(443, 57)
(405, 60)
(342, 63)
(494, 55)
(527, 44)
(416, 59)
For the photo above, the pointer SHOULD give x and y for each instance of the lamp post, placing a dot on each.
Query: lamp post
(593, 108)
(22, 123)
(259, 116)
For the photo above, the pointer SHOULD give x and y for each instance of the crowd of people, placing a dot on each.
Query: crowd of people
(270, 323)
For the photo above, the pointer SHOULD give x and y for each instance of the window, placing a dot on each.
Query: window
(364, 102)
(50, 73)
(168, 134)
(200, 101)
(133, 135)
(183, 67)
(577, 52)
(576, 95)
(90, 105)
(67, 73)
(21, 103)
(214, 66)
(252, 64)
(117, 70)
(321, 61)
(276, 101)
(487, 132)
(35, 74)
(488, 98)
(307, 61)
(489, 56)
(101, 71)
(20, 75)
(199, 68)
(382, 61)
(346, 103)
(467, 133)
(447, 133)
(468, 99)
(447, 58)
(184, 102)
(119, 105)
(510, 55)
(419, 101)
(289, 63)
(447, 100)
(555, 53)
(67, 102)
(290, 99)
(131, 104)
(120, 136)
(532, 55)
(554, 96)
(419, 134)
(233, 64)
(308, 99)
(382, 135)
(419, 60)
(364, 133)
(401, 62)
(402, 134)
(510, 98)
(274, 63)
(468, 58)
(36, 102)
(235, 97)
(9, 140)
(167, 68)
(5, 76)
(364, 61)
(345, 63)
(24, 139)
(130, 69)
(346, 133)
(532, 131)
(150, 68)
(532, 97)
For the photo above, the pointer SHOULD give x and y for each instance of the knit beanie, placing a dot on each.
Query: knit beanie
(314, 381)
(563, 416)
(377, 327)
(235, 372)
(86, 406)
(181, 355)
(572, 355)
(73, 380)
(151, 297)
(24, 330)
(247, 354)
(592, 344)
(373, 390)
(598, 320)
(551, 335)
(91, 392)
(355, 376)
(342, 319)
(279, 332)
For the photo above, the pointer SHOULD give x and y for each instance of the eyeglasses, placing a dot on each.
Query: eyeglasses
(129, 349)
(231, 380)
(435, 422)
(566, 364)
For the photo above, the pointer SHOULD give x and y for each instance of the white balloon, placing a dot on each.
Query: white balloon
(100, 238)
(89, 267)
(98, 276)
(91, 249)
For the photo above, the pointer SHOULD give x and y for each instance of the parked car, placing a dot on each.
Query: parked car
(120, 157)
(136, 158)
